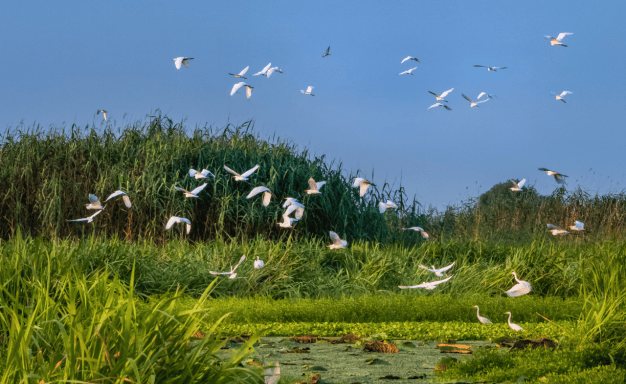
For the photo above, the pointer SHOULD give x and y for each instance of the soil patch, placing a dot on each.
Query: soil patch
(380, 347)
(533, 343)
(306, 339)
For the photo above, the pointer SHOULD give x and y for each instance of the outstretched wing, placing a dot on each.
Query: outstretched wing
(270, 71)
(447, 267)
(244, 71)
(309, 89)
(364, 186)
(441, 281)
(313, 184)
(562, 35)
(256, 191)
(240, 261)
(181, 189)
(126, 201)
(266, 68)
(552, 226)
(250, 171)
(426, 268)
(198, 189)
(446, 92)
(466, 98)
(479, 66)
(412, 286)
(173, 220)
(114, 194)
(405, 59)
(231, 171)
(448, 108)
(236, 87)
(328, 50)
(481, 95)
(436, 105)
(565, 93)
(521, 183)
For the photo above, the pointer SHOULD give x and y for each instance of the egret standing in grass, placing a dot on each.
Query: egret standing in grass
(483, 320)
(472, 103)
(438, 272)
(362, 184)
(88, 219)
(258, 264)
(440, 97)
(418, 229)
(240, 75)
(337, 242)
(408, 71)
(561, 96)
(557, 40)
(232, 273)
(124, 197)
(559, 177)
(440, 105)
(193, 193)
(517, 186)
(521, 288)
(429, 286)
(177, 220)
(308, 90)
(314, 187)
(181, 60)
(267, 194)
(557, 230)
(104, 114)
(513, 326)
(409, 58)
(243, 176)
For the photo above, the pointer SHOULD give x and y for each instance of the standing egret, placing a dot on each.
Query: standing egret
(562, 95)
(327, 53)
(232, 269)
(308, 90)
(267, 194)
(337, 242)
(440, 105)
(472, 103)
(363, 184)
(181, 60)
(243, 176)
(124, 197)
(287, 222)
(264, 70)
(193, 193)
(314, 188)
(490, 68)
(258, 264)
(559, 177)
(483, 320)
(440, 97)
(95, 202)
(240, 75)
(104, 113)
(513, 326)
(578, 226)
(408, 71)
(429, 286)
(382, 207)
(558, 39)
(439, 271)
(88, 219)
(176, 220)
(409, 58)
(517, 186)
(418, 229)
(557, 230)
(200, 175)
(521, 288)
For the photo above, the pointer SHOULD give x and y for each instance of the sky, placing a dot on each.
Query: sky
(61, 62)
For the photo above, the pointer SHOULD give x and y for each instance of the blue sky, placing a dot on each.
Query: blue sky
(61, 63)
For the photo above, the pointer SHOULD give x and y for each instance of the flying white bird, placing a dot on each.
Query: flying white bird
(236, 87)
(557, 230)
(232, 269)
(382, 207)
(578, 226)
(124, 197)
(193, 193)
(200, 175)
(491, 68)
(182, 60)
(267, 194)
(483, 320)
(314, 187)
(409, 58)
(513, 326)
(88, 219)
(517, 186)
(264, 70)
(337, 242)
(240, 75)
(176, 220)
(327, 53)
(559, 177)
(440, 97)
(258, 264)
(439, 271)
(249, 91)
(289, 201)
(308, 90)
(484, 94)
(521, 288)
(95, 203)
(363, 184)
(429, 286)
(408, 71)
(562, 95)
(272, 374)
(297, 207)
(104, 114)
(243, 176)
(440, 105)
(472, 103)
(558, 39)
(287, 221)
(271, 70)
(418, 229)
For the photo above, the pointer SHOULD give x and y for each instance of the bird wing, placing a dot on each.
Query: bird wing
(335, 238)
(433, 93)
(579, 225)
(114, 194)
(562, 35)
(436, 105)
(250, 171)
(412, 286)
(320, 184)
(181, 189)
(188, 228)
(93, 198)
(382, 207)
(426, 268)
(293, 207)
(481, 95)
(256, 191)
(80, 219)
(185, 62)
(267, 195)
(266, 68)
(178, 61)
(405, 59)
(270, 71)
(446, 92)
(552, 226)
(482, 101)
(104, 114)
(199, 189)
(248, 91)
(219, 273)
(544, 169)
(309, 89)
(126, 201)
(467, 98)
(357, 182)
(299, 212)
(236, 87)
(244, 71)
(289, 201)
(447, 267)
(192, 172)
(521, 183)
(313, 184)
(172, 221)
(95, 214)
(364, 187)
(565, 93)
(441, 281)
(231, 171)
(206, 172)
(240, 261)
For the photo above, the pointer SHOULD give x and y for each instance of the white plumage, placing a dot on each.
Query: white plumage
(124, 197)
(314, 187)
(337, 242)
(429, 286)
(182, 60)
(267, 194)
(177, 220)
(557, 230)
(258, 264)
(362, 184)
(439, 271)
(562, 95)
(308, 90)
(88, 219)
(440, 97)
(232, 269)
(200, 175)
(264, 70)
(440, 105)
(408, 71)
(193, 193)
(483, 320)
(517, 186)
(382, 207)
(513, 326)
(287, 222)
(243, 176)
(240, 75)
(521, 288)
(418, 229)
(578, 226)
(297, 207)
(94, 202)
(409, 58)
(104, 114)
(473, 103)
(557, 40)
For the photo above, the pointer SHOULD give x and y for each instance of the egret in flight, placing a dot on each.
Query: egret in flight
(337, 242)
(182, 60)
(484, 94)
(409, 58)
(176, 220)
(297, 207)
(94, 202)
(193, 193)
(382, 207)
(200, 175)
(429, 286)
(408, 71)
(243, 176)
(559, 177)
(236, 87)
(264, 70)
(287, 222)
(439, 271)
(495, 69)
(88, 219)
(444, 94)
(308, 90)
(557, 230)
(517, 186)
(232, 269)
(418, 229)
(363, 184)
(124, 197)
(327, 53)
(104, 114)
(240, 75)
(513, 326)
(440, 105)
(272, 70)
(289, 201)
(483, 320)
(561, 96)
(557, 40)
(578, 226)
(472, 103)
(521, 288)
(267, 194)
(314, 188)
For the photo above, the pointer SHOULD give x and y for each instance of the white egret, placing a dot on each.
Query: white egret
(308, 90)
(557, 40)
(267, 194)
(418, 229)
(95, 202)
(236, 87)
(314, 187)
(521, 288)
(287, 222)
(88, 219)
(272, 373)
(177, 220)
(337, 242)
(517, 186)
(472, 103)
(483, 320)
(409, 58)
(407, 72)
(297, 207)
(193, 193)
(124, 197)
(200, 175)
(562, 95)
(559, 177)
(327, 53)
(484, 94)
(249, 91)
(240, 75)
(513, 326)
(490, 68)
(440, 97)
(181, 60)
(264, 70)
(258, 264)
(439, 271)
(557, 230)
(232, 269)
(578, 226)
(270, 71)
(289, 201)
(429, 286)
(382, 207)
(104, 113)
(243, 176)
(363, 184)
(440, 105)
